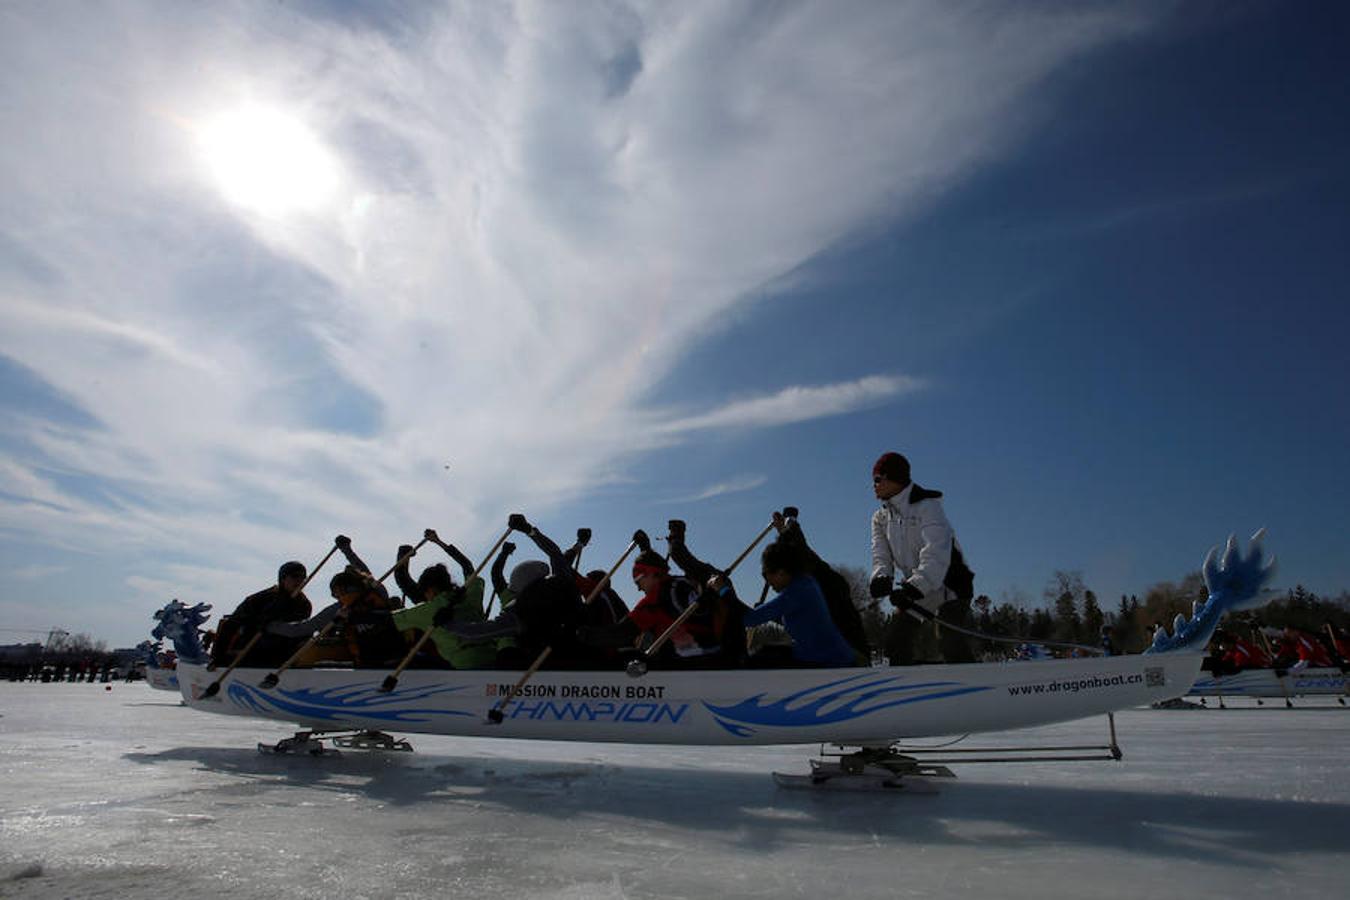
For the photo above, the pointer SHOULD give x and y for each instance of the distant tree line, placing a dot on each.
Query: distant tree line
(1071, 612)
(64, 656)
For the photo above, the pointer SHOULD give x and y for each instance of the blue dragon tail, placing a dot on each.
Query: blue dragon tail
(1235, 581)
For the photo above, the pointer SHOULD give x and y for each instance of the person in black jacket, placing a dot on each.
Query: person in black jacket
(282, 602)
(545, 610)
(413, 591)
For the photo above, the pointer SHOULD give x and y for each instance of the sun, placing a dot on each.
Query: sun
(269, 162)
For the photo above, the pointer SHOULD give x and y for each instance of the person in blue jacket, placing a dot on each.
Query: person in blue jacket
(800, 606)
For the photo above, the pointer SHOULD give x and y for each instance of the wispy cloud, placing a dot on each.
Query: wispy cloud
(33, 573)
(799, 404)
(735, 485)
(537, 210)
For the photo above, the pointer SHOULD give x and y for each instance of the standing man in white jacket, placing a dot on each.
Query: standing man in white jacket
(912, 538)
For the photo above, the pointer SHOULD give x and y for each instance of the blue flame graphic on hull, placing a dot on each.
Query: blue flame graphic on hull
(837, 701)
(342, 702)
(1234, 582)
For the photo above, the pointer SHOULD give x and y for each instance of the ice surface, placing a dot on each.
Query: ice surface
(125, 793)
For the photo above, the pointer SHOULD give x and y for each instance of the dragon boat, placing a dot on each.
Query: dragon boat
(856, 707)
(161, 667)
(1268, 684)
(162, 679)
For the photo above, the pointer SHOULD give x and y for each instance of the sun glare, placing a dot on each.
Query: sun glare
(269, 162)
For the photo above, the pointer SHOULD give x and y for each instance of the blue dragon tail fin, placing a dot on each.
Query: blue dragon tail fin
(1235, 581)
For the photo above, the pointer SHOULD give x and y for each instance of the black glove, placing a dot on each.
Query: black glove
(508, 548)
(906, 597)
(676, 530)
(517, 522)
(404, 550)
(880, 587)
(790, 512)
(643, 542)
(444, 616)
(583, 536)
(431, 535)
(343, 542)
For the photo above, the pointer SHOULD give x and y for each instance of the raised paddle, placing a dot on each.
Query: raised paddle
(391, 681)
(583, 538)
(638, 667)
(1279, 672)
(214, 687)
(1336, 649)
(274, 678)
(780, 521)
(495, 715)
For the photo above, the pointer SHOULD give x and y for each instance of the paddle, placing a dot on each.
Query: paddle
(391, 681)
(583, 538)
(1279, 673)
(214, 687)
(638, 667)
(274, 678)
(780, 522)
(1336, 649)
(495, 715)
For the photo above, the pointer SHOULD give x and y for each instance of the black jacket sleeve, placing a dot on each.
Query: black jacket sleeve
(498, 576)
(465, 564)
(692, 566)
(558, 563)
(403, 578)
(356, 561)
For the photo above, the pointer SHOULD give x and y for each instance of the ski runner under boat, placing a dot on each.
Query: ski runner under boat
(853, 707)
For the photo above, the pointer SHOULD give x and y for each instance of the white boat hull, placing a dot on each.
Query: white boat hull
(162, 679)
(739, 707)
(1265, 683)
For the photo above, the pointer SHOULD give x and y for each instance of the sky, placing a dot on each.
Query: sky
(270, 272)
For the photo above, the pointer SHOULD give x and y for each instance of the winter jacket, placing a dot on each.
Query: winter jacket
(835, 588)
(658, 610)
(1245, 655)
(911, 534)
(802, 610)
(1309, 650)
(271, 605)
(467, 604)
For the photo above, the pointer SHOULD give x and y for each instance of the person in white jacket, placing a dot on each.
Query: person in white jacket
(912, 539)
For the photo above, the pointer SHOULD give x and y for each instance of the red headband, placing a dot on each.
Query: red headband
(640, 569)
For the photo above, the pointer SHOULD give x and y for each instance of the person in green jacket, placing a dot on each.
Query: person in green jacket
(448, 602)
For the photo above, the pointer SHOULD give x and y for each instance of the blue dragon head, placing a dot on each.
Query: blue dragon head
(180, 623)
(149, 651)
(1235, 581)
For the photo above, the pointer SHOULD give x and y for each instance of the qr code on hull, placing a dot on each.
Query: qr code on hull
(1153, 677)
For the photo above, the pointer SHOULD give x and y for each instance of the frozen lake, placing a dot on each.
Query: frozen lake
(125, 793)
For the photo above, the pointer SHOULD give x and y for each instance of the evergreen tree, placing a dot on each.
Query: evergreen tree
(1041, 626)
(982, 612)
(1065, 592)
(1093, 619)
